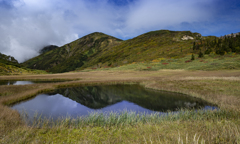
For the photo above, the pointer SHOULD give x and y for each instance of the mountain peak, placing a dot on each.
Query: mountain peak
(48, 48)
(99, 35)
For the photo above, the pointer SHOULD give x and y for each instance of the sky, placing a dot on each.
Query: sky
(26, 26)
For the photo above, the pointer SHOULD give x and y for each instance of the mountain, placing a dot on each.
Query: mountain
(73, 55)
(146, 47)
(163, 44)
(100, 50)
(47, 49)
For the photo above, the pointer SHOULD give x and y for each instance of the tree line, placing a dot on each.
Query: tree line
(220, 45)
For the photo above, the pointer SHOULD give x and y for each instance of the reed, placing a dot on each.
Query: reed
(129, 118)
(183, 127)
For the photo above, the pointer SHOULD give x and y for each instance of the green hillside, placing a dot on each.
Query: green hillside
(146, 47)
(10, 66)
(8, 60)
(73, 55)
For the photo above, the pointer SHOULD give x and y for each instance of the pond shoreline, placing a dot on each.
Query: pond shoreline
(222, 92)
(80, 101)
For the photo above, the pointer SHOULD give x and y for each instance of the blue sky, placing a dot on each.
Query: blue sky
(28, 25)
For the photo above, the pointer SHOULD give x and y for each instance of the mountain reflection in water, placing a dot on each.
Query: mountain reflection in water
(97, 97)
(80, 101)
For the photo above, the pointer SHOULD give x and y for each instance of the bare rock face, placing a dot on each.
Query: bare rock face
(231, 35)
(187, 38)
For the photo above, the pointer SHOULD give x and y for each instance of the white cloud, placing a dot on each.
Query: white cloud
(156, 14)
(25, 30)
(31, 24)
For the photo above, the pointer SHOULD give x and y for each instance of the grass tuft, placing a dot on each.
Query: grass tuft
(128, 118)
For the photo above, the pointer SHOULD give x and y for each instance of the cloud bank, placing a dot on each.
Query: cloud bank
(26, 26)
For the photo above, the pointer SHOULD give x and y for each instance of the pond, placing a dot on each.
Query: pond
(80, 101)
(12, 82)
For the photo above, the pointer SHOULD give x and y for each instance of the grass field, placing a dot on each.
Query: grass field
(218, 87)
(230, 61)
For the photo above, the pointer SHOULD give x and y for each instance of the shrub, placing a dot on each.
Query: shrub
(220, 52)
(208, 51)
(200, 54)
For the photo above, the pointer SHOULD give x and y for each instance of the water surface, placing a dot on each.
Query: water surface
(80, 101)
(11, 82)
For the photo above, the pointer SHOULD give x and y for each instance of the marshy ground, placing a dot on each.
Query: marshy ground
(217, 87)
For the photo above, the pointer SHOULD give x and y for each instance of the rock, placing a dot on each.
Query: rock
(231, 35)
(187, 37)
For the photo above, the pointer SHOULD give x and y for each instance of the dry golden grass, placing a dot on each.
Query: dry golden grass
(224, 93)
(218, 87)
(213, 78)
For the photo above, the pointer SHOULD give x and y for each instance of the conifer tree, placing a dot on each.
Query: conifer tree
(193, 58)
(194, 45)
(200, 54)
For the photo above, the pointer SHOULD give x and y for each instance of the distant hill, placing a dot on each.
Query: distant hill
(9, 60)
(100, 50)
(10, 66)
(47, 49)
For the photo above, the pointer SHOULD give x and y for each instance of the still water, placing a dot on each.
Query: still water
(10, 82)
(80, 101)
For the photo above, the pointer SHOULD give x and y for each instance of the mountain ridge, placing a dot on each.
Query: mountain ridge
(100, 50)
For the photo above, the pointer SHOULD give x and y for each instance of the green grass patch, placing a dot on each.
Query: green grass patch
(209, 62)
